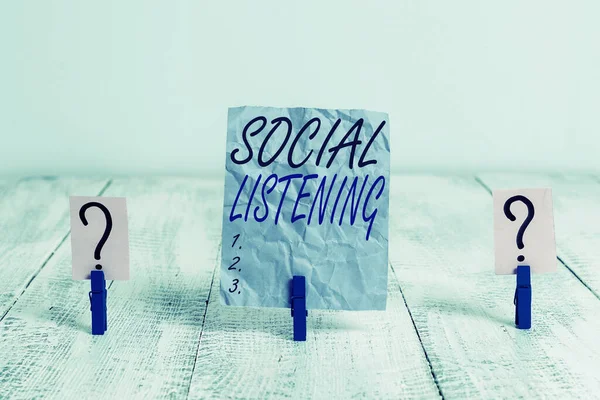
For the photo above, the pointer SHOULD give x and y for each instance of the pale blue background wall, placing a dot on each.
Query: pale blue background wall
(143, 87)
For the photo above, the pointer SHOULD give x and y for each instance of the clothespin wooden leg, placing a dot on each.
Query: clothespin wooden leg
(299, 312)
(98, 303)
(523, 297)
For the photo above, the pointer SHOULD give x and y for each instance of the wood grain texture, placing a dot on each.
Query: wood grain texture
(34, 220)
(164, 341)
(441, 250)
(576, 201)
(155, 319)
(248, 353)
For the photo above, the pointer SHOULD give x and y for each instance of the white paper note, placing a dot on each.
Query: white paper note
(99, 237)
(524, 230)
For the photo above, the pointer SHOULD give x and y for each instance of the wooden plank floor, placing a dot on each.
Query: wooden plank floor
(448, 331)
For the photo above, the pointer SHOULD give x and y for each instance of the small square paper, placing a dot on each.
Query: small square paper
(99, 237)
(524, 230)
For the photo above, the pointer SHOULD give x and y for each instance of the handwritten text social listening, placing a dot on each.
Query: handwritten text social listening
(362, 192)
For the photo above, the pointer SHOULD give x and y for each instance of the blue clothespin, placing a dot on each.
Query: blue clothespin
(523, 297)
(299, 312)
(98, 303)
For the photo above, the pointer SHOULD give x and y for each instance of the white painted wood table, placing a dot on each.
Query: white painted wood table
(448, 331)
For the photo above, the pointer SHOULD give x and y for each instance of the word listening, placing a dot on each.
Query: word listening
(327, 204)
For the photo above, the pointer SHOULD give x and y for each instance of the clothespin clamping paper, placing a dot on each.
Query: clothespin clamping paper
(299, 312)
(98, 303)
(523, 298)
(523, 237)
(100, 243)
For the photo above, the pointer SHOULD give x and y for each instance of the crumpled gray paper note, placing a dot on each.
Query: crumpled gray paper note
(306, 193)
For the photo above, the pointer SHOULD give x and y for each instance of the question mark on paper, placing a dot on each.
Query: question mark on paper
(525, 224)
(107, 229)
